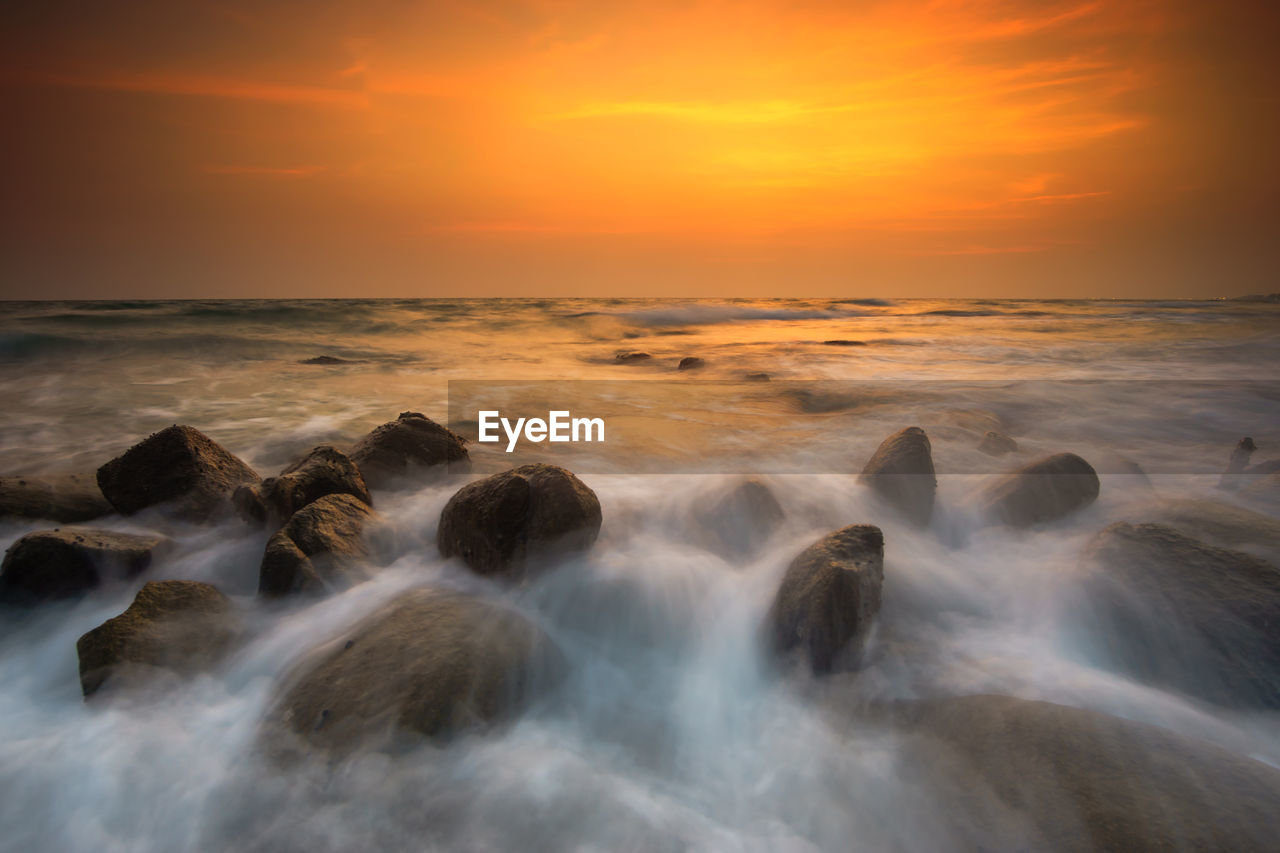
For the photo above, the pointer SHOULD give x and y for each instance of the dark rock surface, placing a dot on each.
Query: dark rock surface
(1046, 490)
(181, 627)
(321, 547)
(326, 359)
(178, 467)
(406, 448)
(829, 597)
(757, 377)
(631, 357)
(65, 498)
(1221, 524)
(691, 362)
(324, 471)
(431, 664)
(901, 472)
(504, 523)
(65, 563)
(741, 521)
(844, 343)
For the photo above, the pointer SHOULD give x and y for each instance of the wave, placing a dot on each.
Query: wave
(706, 315)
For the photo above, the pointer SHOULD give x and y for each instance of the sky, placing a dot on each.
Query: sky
(955, 148)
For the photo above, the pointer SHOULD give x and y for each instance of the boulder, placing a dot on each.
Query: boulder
(324, 471)
(508, 522)
(1176, 612)
(691, 362)
(182, 627)
(741, 521)
(1044, 491)
(1014, 774)
(431, 664)
(326, 359)
(65, 563)
(1221, 524)
(901, 472)
(410, 445)
(179, 467)
(1237, 464)
(65, 498)
(997, 444)
(757, 377)
(829, 597)
(321, 547)
(631, 357)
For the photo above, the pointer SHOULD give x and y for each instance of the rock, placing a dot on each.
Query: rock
(844, 343)
(406, 448)
(740, 522)
(1237, 464)
(504, 523)
(691, 362)
(631, 357)
(901, 472)
(431, 663)
(321, 547)
(997, 444)
(757, 377)
(61, 497)
(325, 359)
(829, 598)
(1174, 611)
(1044, 491)
(65, 563)
(324, 471)
(1013, 774)
(182, 627)
(179, 467)
(1221, 524)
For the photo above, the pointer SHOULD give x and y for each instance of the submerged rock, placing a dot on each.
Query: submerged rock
(326, 359)
(321, 547)
(182, 627)
(430, 663)
(742, 520)
(1044, 491)
(1013, 774)
(65, 563)
(1173, 611)
(829, 598)
(64, 498)
(901, 472)
(631, 357)
(997, 444)
(406, 448)
(691, 362)
(757, 377)
(844, 343)
(324, 471)
(503, 523)
(179, 467)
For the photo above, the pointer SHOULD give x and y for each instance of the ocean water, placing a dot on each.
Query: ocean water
(672, 731)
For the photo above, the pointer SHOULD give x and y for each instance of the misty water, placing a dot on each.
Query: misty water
(673, 730)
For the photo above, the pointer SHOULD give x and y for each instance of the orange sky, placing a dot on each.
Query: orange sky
(931, 148)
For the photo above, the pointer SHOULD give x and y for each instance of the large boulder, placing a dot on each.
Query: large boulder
(1221, 524)
(181, 627)
(1013, 774)
(65, 563)
(180, 467)
(320, 548)
(66, 498)
(901, 472)
(1044, 491)
(829, 598)
(406, 447)
(1174, 611)
(506, 523)
(738, 523)
(324, 471)
(431, 663)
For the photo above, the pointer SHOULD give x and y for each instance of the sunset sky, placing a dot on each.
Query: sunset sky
(543, 148)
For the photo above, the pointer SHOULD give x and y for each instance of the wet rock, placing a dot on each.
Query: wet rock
(181, 627)
(1173, 611)
(757, 377)
(997, 444)
(320, 548)
(1013, 774)
(691, 362)
(178, 467)
(844, 343)
(1237, 464)
(1221, 524)
(1044, 491)
(631, 357)
(406, 449)
(741, 522)
(829, 597)
(64, 498)
(505, 523)
(67, 562)
(429, 664)
(324, 471)
(325, 359)
(901, 472)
